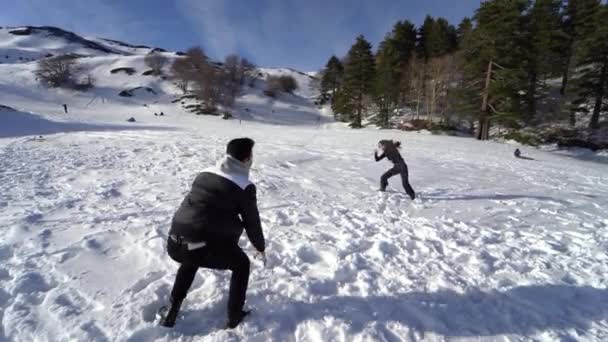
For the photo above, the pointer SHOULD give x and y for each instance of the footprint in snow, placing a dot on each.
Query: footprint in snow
(308, 255)
(32, 282)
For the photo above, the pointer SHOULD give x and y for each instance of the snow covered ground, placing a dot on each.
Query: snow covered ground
(494, 249)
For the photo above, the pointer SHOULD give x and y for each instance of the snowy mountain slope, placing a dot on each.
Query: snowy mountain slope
(125, 48)
(19, 44)
(496, 248)
(20, 89)
(29, 43)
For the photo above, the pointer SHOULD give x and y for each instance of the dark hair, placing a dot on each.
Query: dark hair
(240, 148)
(386, 143)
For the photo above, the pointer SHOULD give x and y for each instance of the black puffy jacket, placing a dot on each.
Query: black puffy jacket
(390, 152)
(221, 203)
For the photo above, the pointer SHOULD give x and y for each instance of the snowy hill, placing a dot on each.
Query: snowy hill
(29, 43)
(104, 59)
(494, 249)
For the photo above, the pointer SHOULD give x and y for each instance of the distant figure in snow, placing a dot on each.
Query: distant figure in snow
(390, 151)
(155, 114)
(65, 108)
(131, 119)
(206, 228)
(162, 114)
(517, 154)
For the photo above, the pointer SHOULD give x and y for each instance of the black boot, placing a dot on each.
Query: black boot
(168, 315)
(235, 319)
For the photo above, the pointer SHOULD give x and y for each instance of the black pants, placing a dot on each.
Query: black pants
(218, 257)
(401, 169)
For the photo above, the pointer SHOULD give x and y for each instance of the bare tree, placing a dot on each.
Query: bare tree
(437, 84)
(155, 61)
(184, 70)
(250, 71)
(58, 71)
(210, 87)
(273, 86)
(181, 73)
(414, 85)
(211, 83)
(288, 83)
(85, 83)
(234, 75)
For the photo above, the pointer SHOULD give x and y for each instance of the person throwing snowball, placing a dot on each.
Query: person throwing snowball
(390, 150)
(206, 228)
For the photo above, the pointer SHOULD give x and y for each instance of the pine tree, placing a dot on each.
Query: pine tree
(540, 43)
(359, 73)
(464, 28)
(332, 76)
(492, 55)
(593, 64)
(447, 36)
(436, 38)
(428, 39)
(387, 79)
(404, 41)
(576, 25)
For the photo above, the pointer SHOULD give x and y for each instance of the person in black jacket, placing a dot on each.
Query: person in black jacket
(390, 151)
(206, 228)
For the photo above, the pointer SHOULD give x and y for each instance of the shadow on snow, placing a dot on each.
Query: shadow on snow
(523, 310)
(18, 124)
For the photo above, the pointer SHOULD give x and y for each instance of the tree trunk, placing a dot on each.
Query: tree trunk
(563, 90)
(533, 79)
(599, 96)
(484, 122)
(418, 106)
(359, 110)
(565, 75)
(433, 101)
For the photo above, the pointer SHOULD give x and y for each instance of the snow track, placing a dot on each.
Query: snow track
(495, 248)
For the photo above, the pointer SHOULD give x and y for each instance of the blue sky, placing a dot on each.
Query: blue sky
(282, 33)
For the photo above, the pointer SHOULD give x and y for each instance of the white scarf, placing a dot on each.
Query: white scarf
(233, 170)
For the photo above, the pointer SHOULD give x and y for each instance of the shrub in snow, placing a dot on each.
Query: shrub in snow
(128, 71)
(131, 92)
(284, 83)
(270, 93)
(84, 85)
